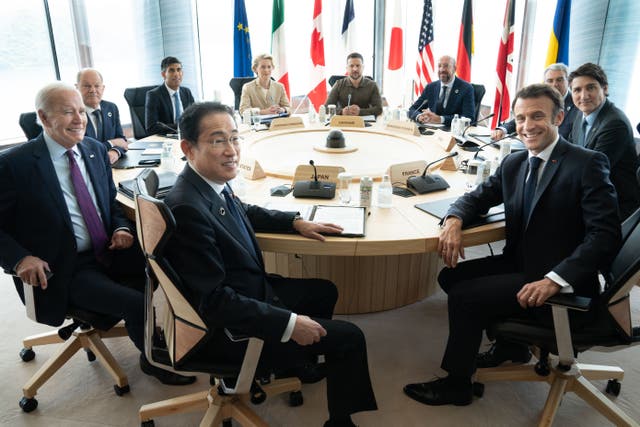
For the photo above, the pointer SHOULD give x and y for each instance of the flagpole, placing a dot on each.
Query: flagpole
(526, 42)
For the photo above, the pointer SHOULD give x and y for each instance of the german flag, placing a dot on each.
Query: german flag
(465, 43)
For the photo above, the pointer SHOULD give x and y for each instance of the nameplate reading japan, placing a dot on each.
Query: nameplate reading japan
(325, 173)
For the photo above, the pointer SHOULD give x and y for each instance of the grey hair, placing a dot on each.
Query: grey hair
(558, 66)
(43, 97)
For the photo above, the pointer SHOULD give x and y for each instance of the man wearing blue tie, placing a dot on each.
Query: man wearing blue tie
(103, 117)
(561, 228)
(164, 105)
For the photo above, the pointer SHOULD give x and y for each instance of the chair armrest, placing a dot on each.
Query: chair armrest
(570, 301)
(236, 337)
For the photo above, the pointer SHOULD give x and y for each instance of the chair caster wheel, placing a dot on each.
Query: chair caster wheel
(264, 380)
(613, 387)
(227, 423)
(121, 390)
(478, 389)
(542, 369)
(90, 356)
(28, 404)
(295, 399)
(27, 354)
(148, 423)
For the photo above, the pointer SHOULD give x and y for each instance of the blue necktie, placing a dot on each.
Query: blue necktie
(583, 137)
(231, 206)
(530, 186)
(177, 105)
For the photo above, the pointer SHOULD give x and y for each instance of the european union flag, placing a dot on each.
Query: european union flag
(559, 41)
(241, 42)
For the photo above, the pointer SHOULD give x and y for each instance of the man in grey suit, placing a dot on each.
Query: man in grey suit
(215, 253)
(604, 127)
(561, 228)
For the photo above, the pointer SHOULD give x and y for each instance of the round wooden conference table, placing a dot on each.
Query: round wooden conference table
(396, 263)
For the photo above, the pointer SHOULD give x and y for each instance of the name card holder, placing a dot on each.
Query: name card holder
(286, 123)
(250, 168)
(399, 172)
(403, 126)
(451, 164)
(346, 122)
(325, 173)
(452, 143)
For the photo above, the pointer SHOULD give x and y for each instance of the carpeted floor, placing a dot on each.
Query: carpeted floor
(405, 345)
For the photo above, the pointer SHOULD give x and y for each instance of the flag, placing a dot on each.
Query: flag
(465, 43)
(504, 67)
(424, 64)
(559, 41)
(348, 27)
(318, 94)
(278, 51)
(396, 45)
(241, 42)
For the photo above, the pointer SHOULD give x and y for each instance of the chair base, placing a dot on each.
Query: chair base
(575, 380)
(218, 407)
(89, 340)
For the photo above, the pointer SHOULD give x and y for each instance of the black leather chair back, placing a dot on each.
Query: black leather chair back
(29, 125)
(478, 94)
(135, 97)
(236, 84)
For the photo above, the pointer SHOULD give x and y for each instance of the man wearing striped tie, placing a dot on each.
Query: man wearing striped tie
(164, 105)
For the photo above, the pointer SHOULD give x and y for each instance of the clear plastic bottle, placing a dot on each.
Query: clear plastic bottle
(385, 192)
(166, 158)
(455, 125)
(322, 114)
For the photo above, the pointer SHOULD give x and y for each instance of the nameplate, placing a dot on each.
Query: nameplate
(346, 122)
(325, 173)
(250, 168)
(451, 164)
(452, 143)
(286, 123)
(399, 172)
(403, 126)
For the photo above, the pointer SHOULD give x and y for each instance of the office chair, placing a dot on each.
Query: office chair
(185, 332)
(236, 84)
(334, 78)
(29, 125)
(86, 331)
(135, 97)
(478, 94)
(607, 323)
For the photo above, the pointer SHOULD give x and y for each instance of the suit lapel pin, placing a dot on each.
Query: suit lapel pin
(456, 91)
(91, 156)
(109, 114)
(222, 212)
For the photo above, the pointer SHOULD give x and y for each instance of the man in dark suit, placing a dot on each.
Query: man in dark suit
(61, 229)
(604, 127)
(556, 75)
(164, 105)
(444, 98)
(561, 228)
(216, 254)
(103, 117)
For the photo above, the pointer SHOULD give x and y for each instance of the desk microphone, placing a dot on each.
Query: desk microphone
(314, 189)
(480, 147)
(426, 183)
(475, 122)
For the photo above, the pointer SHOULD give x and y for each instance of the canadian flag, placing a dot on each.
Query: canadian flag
(318, 94)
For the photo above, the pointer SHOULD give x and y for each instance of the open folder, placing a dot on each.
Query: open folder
(351, 218)
(439, 209)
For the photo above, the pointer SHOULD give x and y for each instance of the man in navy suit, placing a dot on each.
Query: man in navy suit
(215, 252)
(604, 127)
(164, 105)
(444, 98)
(103, 117)
(61, 229)
(561, 228)
(556, 75)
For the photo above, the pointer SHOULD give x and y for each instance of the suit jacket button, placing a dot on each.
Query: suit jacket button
(276, 299)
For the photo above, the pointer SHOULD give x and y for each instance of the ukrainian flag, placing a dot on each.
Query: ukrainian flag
(559, 40)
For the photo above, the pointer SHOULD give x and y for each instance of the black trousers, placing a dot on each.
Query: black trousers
(116, 290)
(480, 292)
(344, 347)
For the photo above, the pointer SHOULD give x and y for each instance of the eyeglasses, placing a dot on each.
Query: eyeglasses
(221, 142)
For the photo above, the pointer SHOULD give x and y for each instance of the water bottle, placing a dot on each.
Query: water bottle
(366, 185)
(455, 125)
(322, 114)
(385, 191)
(166, 158)
(246, 117)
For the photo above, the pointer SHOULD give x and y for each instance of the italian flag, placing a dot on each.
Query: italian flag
(278, 51)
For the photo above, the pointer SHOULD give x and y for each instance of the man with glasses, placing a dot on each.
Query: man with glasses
(164, 105)
(103, 117)
(215, 253)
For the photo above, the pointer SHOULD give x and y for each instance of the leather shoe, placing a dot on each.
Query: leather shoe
(503, 352)
(440, 392)
(309, 373)
(165, 377)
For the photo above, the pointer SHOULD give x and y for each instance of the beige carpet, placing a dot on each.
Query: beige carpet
(405, 345)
